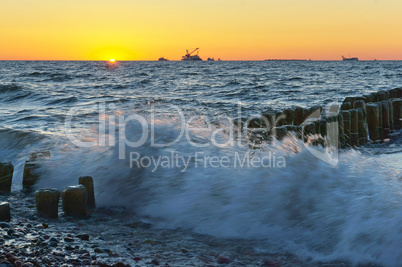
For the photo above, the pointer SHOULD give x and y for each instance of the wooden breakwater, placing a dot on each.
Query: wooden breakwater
(361, 119)
(357, 121)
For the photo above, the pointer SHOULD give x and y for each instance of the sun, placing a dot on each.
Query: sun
(112, 60)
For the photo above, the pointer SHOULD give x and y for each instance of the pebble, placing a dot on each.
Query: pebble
(223, 260)
(98, 250)
(83, 237)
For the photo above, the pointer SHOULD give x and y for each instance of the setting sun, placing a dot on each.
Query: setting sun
(112, 60)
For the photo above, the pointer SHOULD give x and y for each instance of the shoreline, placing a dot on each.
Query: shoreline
(70, 241)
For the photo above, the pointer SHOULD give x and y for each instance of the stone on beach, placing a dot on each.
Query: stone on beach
(87, 181)
(75, 200)
(5, 214)
(6, 175)
(47, 202)
(40, 155)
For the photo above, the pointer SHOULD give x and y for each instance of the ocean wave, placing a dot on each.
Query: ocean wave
(7, 88)
(18, 97)
(13, 139)
(351, 211)
(67, 100)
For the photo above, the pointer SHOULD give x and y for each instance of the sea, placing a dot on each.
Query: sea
(167, 140)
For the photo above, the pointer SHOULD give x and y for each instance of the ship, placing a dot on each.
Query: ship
(163, 59)
(210, 59)
(350, 58)
(190, 56)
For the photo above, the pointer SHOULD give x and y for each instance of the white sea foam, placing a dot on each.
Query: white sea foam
(351, 211)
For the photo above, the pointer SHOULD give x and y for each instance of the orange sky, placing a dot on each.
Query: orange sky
(229, 29)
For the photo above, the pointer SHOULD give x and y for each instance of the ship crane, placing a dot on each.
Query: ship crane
(189, 54)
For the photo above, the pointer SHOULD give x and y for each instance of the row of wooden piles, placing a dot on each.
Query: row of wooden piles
(358, 119)
(77, 200)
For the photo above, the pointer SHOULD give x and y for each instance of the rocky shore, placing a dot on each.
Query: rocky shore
(116, 237)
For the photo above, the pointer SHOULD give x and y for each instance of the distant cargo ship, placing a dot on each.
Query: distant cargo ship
(350, 58)
(210, 59)
(163, 59)
(285, 59)
(190, 56)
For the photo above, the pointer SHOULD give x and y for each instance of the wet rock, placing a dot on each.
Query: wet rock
(5, 211)
(75, 200)
(155, 262)
(6, 176)
(87, 181)
(5, 225)
(10, 231)
(40, 155)
(47, 202)
(98, 250)
(271, 263)
(223, 260)
(84, 237)
(68, 239)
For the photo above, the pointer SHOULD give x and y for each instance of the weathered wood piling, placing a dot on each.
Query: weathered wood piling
(5, 214)
(31, 168)
(47, 202)
(88, 182)
(6, 176)
(75, 200)
(359, 119)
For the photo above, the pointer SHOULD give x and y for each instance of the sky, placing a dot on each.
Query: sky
(226, 29)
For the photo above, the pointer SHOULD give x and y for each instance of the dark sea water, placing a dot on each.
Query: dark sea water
(349, 211)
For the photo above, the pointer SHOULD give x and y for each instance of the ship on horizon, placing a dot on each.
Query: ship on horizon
(190, 56)
(163, 59)
(350, 58)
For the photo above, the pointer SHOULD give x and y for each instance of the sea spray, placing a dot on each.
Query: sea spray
(350, 211)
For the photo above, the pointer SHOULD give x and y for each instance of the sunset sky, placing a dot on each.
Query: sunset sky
(227, 29)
